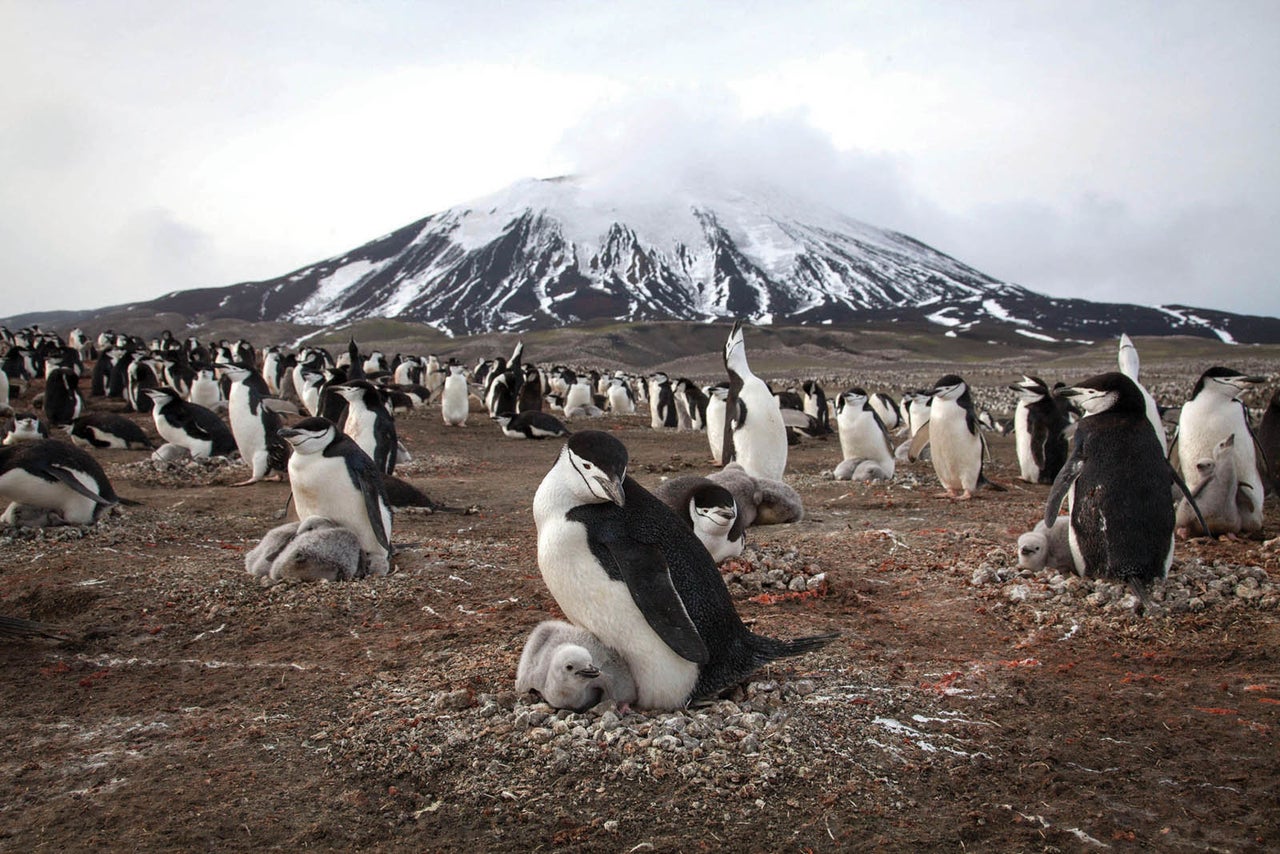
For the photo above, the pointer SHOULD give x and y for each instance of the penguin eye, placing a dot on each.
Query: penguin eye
(588, 466)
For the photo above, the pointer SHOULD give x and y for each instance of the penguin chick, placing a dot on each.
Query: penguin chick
(572, 669)
(862, 469)
(25, 516)
(1220, 495)
(323, 550)
(1044, 546)
(259, 559)
(760, 500)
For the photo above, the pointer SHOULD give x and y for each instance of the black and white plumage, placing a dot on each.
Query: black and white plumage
(1129, 364)
(571, 669)
(717, 396)
(663, 414)
(1213, 412)
(815, 404)
(369, 424)
(108, 430)
(710, 510)
(205, 389)
(530, 425)
(955, 439)
(529, 398)
(455, 399)
(330, 476)
(255, 427)
(1039, 426)
(1218, 495)
(866, 452)
(622, 401)
(1269, 441)
(754, 435)
(1117, 485)
(190, 425)
(56, 476)
(691, 405)
(63, 402)
(24, 427)
(622, 566)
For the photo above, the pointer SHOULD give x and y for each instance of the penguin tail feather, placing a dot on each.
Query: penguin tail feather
(16, 627)
(128, 502)
(991, 484)
(767, 649)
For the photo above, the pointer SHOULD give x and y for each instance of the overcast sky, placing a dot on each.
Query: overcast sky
(1120, 151)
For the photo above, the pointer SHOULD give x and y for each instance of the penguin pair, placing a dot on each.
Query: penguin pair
(864, 440)
(571, 669)
(622, 566)
(315, 549)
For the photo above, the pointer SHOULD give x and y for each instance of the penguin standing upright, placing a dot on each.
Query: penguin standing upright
(189, 425)
(1214, 412)
(56, 476)
(717, 396)
(622, 566)
(621, 400)
(531, 392)
(1117, 485)
(1269, 440)
(888, 410)
(255, 427)
(205, 390)
(864, 441)
(63, 402)
(1129, 364)
(455, 403)
(1039, 428)
(663, 414)
(754, 434)
(955, 439)
(369, 424)
(815, 404)
(331, 476)
(695, 403)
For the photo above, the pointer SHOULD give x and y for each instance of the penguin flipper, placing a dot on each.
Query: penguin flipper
(1062, 483)
(656, 597)
(1181, 484)
(918, 442)
(73, 483)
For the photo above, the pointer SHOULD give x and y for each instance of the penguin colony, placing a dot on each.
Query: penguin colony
(634, 570)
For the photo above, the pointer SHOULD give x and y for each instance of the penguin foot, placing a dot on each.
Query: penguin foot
(964, 496)
(251, 480)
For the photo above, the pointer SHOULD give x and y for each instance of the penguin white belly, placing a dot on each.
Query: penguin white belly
(956, 453)
(322, 487)
(1073, 543)
(25, 488)
(579, 396)
(454, 405)
(655, 419)
(1027, 467)
(247, 429)
(715, 428)
(111, 439)
(619, 402)
(205, 393)
(1202, 426)
(359, 427)
(1153, 415)
(591, 600)
(199, 448)
(861, 439)
(761, 443)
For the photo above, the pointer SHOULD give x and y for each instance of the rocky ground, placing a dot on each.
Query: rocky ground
(966, 704)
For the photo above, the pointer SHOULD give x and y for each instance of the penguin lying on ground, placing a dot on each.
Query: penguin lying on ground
(24, 427)
(1220, 496)
(530, 425)
(190, 425)
(108, 430)
(1046, 546)
(315, 549)
(710, 510)
(571, 669)
(622, 566)
(1117, 485)
(56, 476)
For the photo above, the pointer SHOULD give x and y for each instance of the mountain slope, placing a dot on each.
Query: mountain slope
(562, 251)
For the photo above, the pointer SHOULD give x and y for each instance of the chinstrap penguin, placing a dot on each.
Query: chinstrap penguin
(755, 435)
(530, 425)
(25, 427)
(190, 425)
(710, 510)
(56, 476)
(108, 430)
(255, 427)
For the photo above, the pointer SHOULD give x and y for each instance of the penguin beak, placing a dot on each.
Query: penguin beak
(1066, 391)
(613, 488)
(589, 672)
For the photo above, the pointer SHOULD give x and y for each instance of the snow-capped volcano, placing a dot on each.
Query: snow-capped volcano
(561, 251)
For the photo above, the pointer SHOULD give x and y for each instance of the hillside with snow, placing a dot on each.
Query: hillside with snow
(547, 253)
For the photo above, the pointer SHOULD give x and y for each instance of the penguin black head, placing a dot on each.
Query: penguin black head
(713, 506)
(1227, 382)
(1031, 389)
(162, 397)
(1109, 392)
(597, 463)
(950, 387)
(310, 435)
(235, 373)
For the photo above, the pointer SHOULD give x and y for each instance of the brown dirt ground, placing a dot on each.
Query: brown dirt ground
(196, 709)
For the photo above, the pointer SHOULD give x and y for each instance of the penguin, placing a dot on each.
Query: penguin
(255, 427)
(889, 411)
(622, 566)
(308, 386)
(258, 560)
(331, 476)
(571, 669)
(754, 434)
(717, 396)
(5, 405)
(1214, 412)
(1219, 496)
(108, 430)
(25, 427)
(273, 368)
(1129, 364)
(530, 425)
(694, 407)
(353, 363)
(1046, 546)
(189, 425)
(369, 424)
(709, 510)
(140, 377)
(864, 440)
(56, 476)
(663, 414)
(760, 501)
(455, 403)
(1117, 485)
(323, 550)
(1039, 428)
(815, 404)
(579, 402)
(621, 399)
(1269, 441)
(63, 402)
(957, 446)
(205, 390)
(529, 398)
